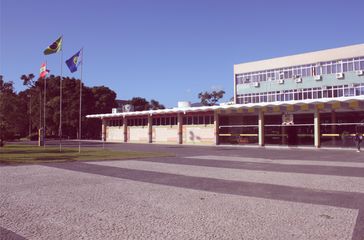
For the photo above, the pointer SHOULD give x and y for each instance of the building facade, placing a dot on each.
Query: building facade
(313, 99)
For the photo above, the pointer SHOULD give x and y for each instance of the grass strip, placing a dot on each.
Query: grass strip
(26, 154)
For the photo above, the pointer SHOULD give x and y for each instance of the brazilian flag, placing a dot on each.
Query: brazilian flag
(74, 61)
(54, 47)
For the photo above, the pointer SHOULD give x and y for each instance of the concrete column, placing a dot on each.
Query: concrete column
(216, 127)
(261, 134)
(284, 132)
(180, 128)
(317, 134)
(150, 128)
(125, 128)
(103, 130)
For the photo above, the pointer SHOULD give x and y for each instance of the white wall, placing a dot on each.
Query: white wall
(115, 134)
(138, 134)
(199, 134)
(165, 134)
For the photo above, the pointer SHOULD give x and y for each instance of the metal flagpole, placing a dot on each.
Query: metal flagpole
(44, 109)
(60, 101)
(40, 117)
(80, 117)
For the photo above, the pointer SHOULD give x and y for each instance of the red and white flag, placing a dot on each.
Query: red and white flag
(43, 70)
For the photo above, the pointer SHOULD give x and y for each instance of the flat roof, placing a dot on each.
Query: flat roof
(301, 59)
(226, 107)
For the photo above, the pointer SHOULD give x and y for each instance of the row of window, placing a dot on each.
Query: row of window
(198, 120)
(306, 93)
(344, 65)
(115, 122)
(158, 121)
(161, 121)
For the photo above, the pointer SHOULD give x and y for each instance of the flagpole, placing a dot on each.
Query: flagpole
(44, 109)
(80, 116)
(40, 117)
(60, 101)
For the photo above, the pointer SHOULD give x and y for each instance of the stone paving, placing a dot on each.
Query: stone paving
(202, 193)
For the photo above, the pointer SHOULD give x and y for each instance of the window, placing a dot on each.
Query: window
(201, 120)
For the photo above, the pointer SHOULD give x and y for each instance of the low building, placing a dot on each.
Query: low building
(314, 99)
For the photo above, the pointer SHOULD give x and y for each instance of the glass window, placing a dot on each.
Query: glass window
(173, 120)
(338, 68)
(350, 66)
(328, 69)
(329, 92)
(345, 67)
(356, 65)
(334, 65)
(195, 119)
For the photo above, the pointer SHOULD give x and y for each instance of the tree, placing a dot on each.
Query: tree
(10, 114)
(104, 99)
(210, 98)
(139, 103)
(35, 97)
(155, 105)
(95, 100)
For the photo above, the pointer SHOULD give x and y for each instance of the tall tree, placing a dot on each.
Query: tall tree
(210, 98)
(10, 114)
(95, 100)
(35, 94)
(105, 99)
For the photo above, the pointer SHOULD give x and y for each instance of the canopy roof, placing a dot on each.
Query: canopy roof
(356, 99)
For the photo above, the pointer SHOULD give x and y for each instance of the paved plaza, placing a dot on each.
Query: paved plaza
(220, 192)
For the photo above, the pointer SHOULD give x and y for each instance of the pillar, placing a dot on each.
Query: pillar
(180, 128)
(150, 129)
(216, 127)
(317, 132)
(261, 134)
(125, 129)
(103, 130)
(283, 134)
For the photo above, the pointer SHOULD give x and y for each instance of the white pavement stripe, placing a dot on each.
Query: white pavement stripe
(309, 181)
(283, 162)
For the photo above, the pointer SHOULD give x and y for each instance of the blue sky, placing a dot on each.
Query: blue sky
(168, 50)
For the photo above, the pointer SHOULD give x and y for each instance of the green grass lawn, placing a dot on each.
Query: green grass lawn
(16, 154)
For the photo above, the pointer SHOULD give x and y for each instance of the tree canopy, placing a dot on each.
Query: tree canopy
(141, 104)
(210, 98)
(11, 112)
(23, 112)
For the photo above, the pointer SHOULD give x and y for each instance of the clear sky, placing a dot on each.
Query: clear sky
(164, 49)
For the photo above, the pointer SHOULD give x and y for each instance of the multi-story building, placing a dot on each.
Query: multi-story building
(314, 99)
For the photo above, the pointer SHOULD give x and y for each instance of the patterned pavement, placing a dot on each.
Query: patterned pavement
(202, 193)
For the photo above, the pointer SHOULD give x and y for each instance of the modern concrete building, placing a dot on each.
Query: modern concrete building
(314, 99)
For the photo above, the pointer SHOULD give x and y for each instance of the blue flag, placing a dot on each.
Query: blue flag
(74, 62)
